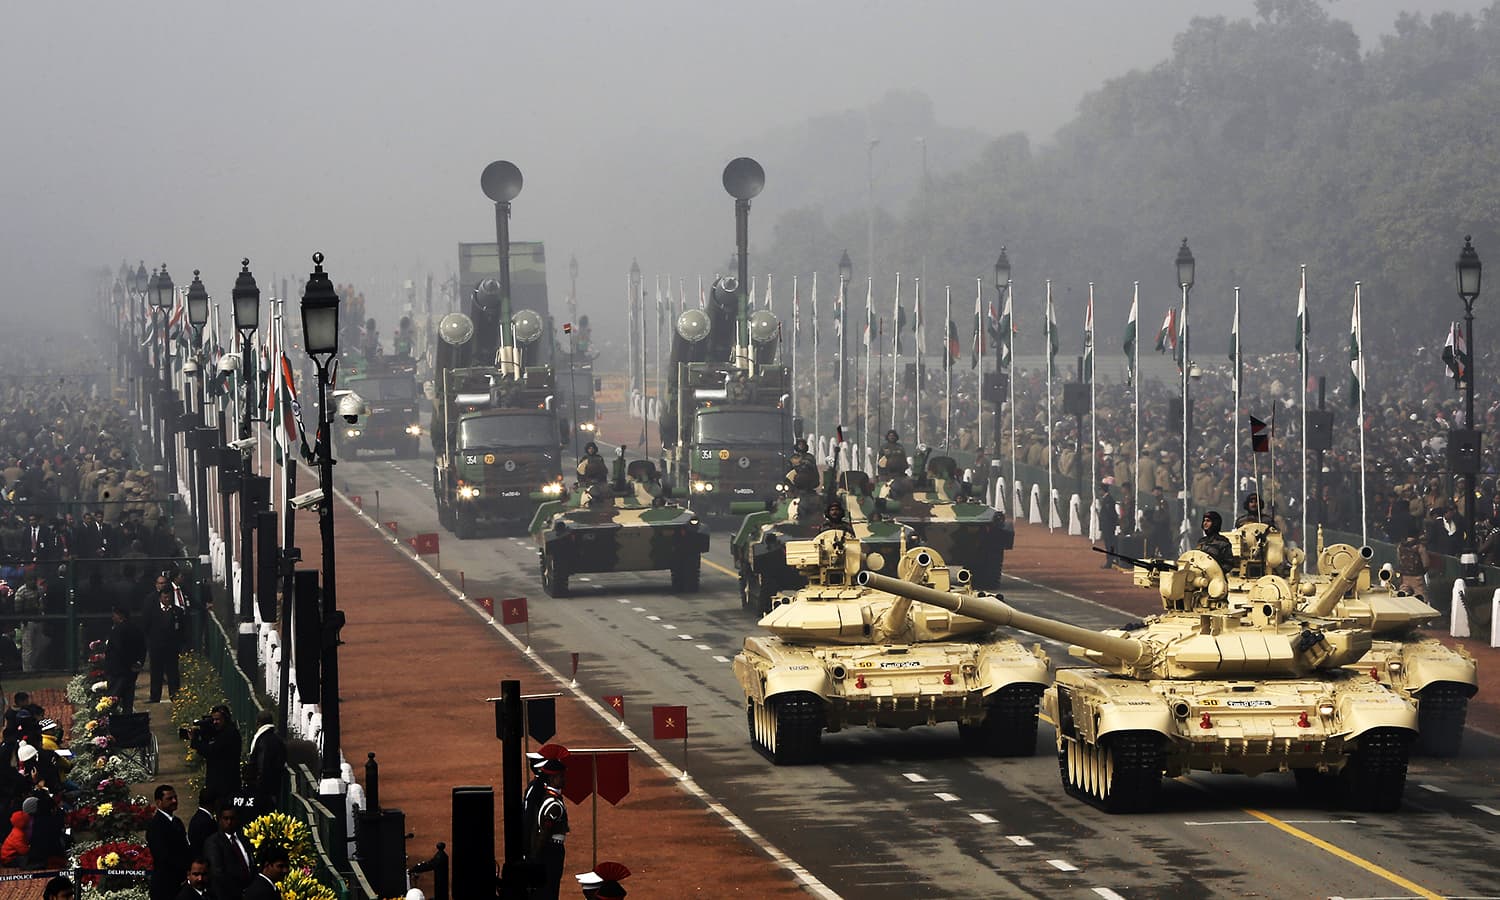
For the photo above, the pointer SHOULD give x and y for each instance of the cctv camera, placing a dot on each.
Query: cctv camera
(242, 445)
(308, 500)
(189, 367)
(229, 362)
(351, 407)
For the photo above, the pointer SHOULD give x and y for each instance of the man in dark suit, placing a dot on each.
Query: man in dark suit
(219, 744)
(41, 540)
(274, 864)
(228, 854)
(166, 838)
(197, 881)
(124, 656)
(163, 626)
(203, 823)
(265, 771)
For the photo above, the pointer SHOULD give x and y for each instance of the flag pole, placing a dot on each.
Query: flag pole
(1135, 391)
(796, 339)
(1047, 329)
(1359, 375)
(871, 349)
(1302, 401)
(979, 326)
(947, 366)
(896, 351)
(1234, 415)
(1093, 422)
(817, 360)
(1011, 384)
(917, 307)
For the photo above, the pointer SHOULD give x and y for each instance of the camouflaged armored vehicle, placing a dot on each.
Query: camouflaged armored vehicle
(1218, 682)
(948, 518)
(759, 545)
(621, 525)
(840, 656)
(1439, 678)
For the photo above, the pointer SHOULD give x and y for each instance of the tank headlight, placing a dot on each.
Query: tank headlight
(1396, 668)
(780, 487)
(414, 429)
(1325, 710)
(552, 489)
(588, 426)
(352, 432)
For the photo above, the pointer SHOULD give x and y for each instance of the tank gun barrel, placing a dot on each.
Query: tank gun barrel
(997, 611)
(1328, 596)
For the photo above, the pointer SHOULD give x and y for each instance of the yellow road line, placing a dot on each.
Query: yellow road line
(1345, 855)
(715, 566)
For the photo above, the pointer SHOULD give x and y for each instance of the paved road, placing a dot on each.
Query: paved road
(906, 815)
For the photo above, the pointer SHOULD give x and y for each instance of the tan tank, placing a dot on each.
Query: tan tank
(1439, 678)
(838, 655)
(1217, 682)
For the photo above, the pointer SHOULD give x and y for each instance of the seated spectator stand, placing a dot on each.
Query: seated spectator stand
(133, 738)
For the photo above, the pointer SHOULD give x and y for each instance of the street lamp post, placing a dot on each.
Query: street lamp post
(1185, 272)
(846, 272)
(197, 314)
(637, 310)
(163, 293)
(1002, 294)
(1468, 268)
(139, 282)
(320, 336)
(246, 297)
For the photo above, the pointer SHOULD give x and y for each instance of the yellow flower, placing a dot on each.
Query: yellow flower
(104, 704)
(106, 808)
(90, 725)
(111, 859)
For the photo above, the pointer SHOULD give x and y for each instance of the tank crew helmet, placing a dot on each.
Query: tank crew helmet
(1252, 499)
(892, 437)
(801, 445)
(591, 449)
(834, 510)
(1212, 521)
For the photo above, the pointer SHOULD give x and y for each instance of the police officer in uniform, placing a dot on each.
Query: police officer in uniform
(592, 469)
(547, 821)
(892, 460)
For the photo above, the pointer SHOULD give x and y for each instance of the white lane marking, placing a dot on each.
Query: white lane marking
(654, 618)
(913, 777)
(584, 578)
(622, 600)
(983, 818)
(722, 659)
(1434, 788)
(1108, 894)
(1019, 840)
(1062, 865)
(946, 797)
(703, 647)
(685, 637)
(1489, 809)
(636, 608)
(667, 626)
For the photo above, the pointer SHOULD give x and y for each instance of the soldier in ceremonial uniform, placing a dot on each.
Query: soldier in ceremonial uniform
(592, 469)
(892, 459)
(547, 819)
(1215, 544)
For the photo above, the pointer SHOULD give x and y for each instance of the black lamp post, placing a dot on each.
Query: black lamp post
(163, 292)
(320, 337)
(572, 348)
(1002, 293)
(1185, 273)
(197, 314)
(846, 272)
(246, 299)
(1466, 440)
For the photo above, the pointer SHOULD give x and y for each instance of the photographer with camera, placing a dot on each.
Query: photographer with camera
(218, 740)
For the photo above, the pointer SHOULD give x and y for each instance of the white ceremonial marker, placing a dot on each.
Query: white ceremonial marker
(946, 797)
(983, 818)
(1062, 865)
(913, 777)
(1019, 840)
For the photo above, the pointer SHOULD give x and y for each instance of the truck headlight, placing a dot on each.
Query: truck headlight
(781, 487)
(588, 426)
(414, 429)
(353, 432)
(468, 492)
(703, 487)
(552, 489)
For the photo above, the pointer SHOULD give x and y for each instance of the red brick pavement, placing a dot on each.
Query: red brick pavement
(413, 672)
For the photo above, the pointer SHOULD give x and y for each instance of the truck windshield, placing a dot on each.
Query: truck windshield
(516, 430)
(741, 426)
(386, 390)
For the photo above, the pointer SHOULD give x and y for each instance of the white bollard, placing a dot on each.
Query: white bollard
(1458, 614)
(997, 495)
(1094, 530)
(1495, 620)
(1075, 515)
(1036, 505)
(1054, 516)
(1015, 494)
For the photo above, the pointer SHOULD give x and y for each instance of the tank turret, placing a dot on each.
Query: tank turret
(1229, 678)
(839, 655)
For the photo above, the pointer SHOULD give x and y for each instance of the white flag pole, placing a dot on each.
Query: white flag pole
(896, 352)
(947, 366)
(1234, 415)
(1091, 350)
(1359, 374)
(870, 351)
(1047, 350)
(982, 325)
(796, 341)
(1302, 402)
(1135, 391)
(1011, 382)
(920, 335)
(817, 356)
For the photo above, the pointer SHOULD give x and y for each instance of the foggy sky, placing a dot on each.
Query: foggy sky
(198, 133)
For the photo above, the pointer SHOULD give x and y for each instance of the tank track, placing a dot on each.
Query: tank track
(1009, 727)
(1441, 715)
(1122, 775)
(1374, 778)
(788, 730)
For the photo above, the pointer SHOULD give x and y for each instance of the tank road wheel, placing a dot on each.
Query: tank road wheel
(1441, 712)
(687, 577)
(1122, 775)
(554, 576)
(1374, 778)
(1009, 726)
(794, 729)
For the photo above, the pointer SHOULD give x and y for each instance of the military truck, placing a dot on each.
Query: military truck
(625, 524)
(494, 426)
(840, 656)
(726, 426)
(388, 387)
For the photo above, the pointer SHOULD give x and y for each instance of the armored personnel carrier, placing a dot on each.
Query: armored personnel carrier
(626, 524)
(759, 545)
(839, 655)
(1217, 682)
(962, 528)
(1441, 679)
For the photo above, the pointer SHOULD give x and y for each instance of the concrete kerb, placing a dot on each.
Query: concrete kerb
(804, 877)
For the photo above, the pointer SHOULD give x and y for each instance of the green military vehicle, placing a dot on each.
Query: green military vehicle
(625, 524)
(948, 518)
(388, 387)
(726, 425)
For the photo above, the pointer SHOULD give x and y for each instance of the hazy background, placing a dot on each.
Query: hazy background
(197, 133)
